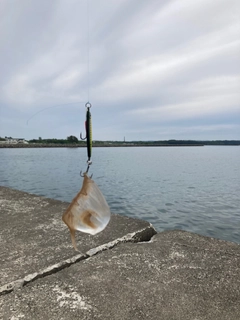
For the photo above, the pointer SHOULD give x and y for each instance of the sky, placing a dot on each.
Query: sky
(152, 69)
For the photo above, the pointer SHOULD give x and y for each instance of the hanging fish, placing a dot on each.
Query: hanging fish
(88, 212)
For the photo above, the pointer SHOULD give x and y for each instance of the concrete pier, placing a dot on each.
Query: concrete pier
(125, 272)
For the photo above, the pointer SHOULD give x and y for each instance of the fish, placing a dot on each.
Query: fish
(88, 212)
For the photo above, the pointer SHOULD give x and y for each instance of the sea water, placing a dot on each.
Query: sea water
(190, 188)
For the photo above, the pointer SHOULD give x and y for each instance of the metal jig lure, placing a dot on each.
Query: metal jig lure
(88, 137)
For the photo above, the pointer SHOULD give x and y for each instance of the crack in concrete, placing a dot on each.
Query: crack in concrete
(143, 235)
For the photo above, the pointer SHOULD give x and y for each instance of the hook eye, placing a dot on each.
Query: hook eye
(88, 105)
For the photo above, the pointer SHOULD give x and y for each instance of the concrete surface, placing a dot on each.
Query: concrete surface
(176, 275)
(33, 237)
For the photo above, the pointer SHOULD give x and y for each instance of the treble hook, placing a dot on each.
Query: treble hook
(89, 162)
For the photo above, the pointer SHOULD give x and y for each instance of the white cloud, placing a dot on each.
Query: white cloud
(157, 60)
(19, 89)
(204, 106)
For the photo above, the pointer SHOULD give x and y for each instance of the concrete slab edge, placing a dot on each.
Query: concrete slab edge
(139, 236)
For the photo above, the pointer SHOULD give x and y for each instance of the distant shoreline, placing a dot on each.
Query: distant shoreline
(108, 145)
(38, 145)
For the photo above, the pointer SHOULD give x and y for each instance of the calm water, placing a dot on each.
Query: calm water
(191, 188)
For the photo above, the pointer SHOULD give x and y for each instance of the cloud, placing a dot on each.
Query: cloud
(168, 63)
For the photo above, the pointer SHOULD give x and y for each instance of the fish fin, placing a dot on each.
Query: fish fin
(72, 232)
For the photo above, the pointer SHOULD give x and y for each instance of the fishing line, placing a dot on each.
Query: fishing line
(88, 211)
(59, 105)
(88, 122)
(88, 45)
(88, 74)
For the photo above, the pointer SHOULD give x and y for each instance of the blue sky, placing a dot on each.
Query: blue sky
(156, 69)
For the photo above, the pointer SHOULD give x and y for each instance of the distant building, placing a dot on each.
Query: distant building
(10, 140)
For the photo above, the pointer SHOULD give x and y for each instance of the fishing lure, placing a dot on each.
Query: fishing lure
(88, 127)
(88, 212)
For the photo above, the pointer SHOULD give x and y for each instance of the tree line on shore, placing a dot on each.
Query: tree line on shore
(74, 140)
(68, 140)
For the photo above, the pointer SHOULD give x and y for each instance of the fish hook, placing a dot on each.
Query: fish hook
(82, 137)
(89, 162)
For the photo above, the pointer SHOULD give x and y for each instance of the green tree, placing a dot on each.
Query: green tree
(72, 139)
